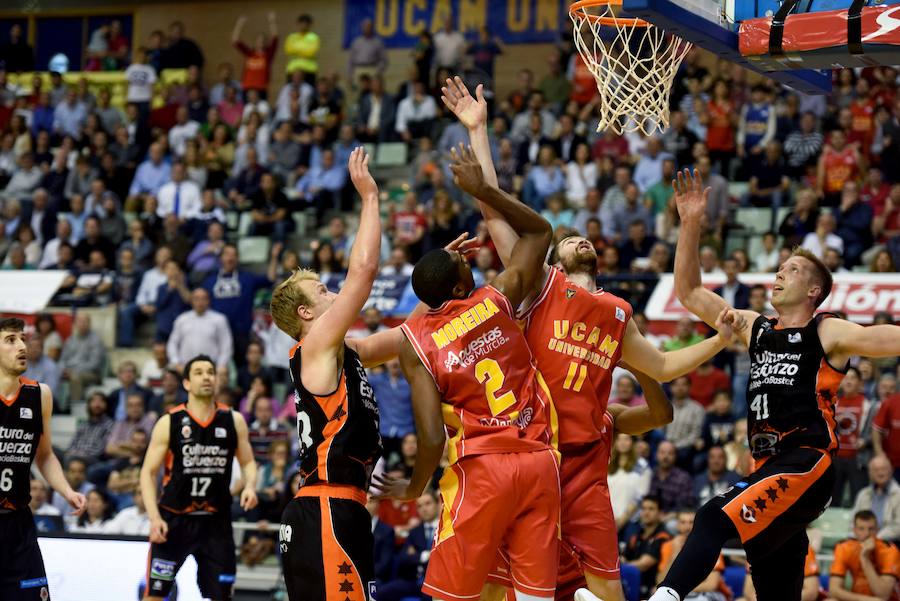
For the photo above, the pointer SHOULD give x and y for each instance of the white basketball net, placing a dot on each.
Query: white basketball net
(634, 67)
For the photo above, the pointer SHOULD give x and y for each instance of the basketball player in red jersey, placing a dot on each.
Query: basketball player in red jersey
(471, 371)
(25, 410)
(797, 362)
(578, 334)
(326, 538)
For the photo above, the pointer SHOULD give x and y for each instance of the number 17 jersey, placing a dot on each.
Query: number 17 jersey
(494, 398)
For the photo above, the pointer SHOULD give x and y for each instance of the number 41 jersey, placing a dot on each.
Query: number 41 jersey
(792, 389)
(494, 398)
(197, 474)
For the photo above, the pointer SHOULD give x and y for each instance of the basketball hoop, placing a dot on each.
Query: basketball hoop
(633, 62)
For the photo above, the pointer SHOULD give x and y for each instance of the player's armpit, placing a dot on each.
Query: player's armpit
(379, 348)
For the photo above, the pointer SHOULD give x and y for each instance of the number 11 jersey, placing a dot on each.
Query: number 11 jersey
(494, 398)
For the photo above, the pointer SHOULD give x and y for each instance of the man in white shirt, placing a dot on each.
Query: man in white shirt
(824, 237)
(200, 331)
(39, 495)
(415, 114)
(180, 197)
(63, 234)
(141, 78)
(131, 521)
(449, 47)
(183, 130)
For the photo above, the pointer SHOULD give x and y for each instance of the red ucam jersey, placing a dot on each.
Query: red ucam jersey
(576, 338)
(494, 398)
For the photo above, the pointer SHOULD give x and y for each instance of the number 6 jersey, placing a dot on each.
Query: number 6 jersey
(494, 398)
(792, 389)
(197, 474)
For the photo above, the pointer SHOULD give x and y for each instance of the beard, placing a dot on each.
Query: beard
(579, 262)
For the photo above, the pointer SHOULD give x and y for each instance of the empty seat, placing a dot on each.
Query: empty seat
(253, 249)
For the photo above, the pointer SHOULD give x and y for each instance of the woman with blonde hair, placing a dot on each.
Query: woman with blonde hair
(629, 479)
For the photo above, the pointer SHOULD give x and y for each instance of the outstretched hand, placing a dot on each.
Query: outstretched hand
(728, 323)
(471, 112)
(363, 181)
(389, 487)
(467, 173)
(690, 195)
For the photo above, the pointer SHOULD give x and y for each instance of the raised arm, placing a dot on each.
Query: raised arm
(525, 267)
(663, 367)
(641, 419)
(245, 458)
(473, 114)
(47, 462)
(153, 459)
(426, 403)
(238, 26)
(690, 199)
(323, 343)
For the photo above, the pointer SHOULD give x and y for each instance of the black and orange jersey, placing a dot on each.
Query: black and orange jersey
(339, 437)
(792, 389)
(197, 475)
(21, 427)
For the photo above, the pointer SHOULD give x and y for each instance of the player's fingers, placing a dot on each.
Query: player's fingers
(463, 90)
(479, 93)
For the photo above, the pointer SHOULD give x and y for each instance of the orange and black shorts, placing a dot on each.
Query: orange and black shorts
(22, 575)
(779, 499)
(327, 545)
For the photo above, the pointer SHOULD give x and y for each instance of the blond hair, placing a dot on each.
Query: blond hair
(287, 297)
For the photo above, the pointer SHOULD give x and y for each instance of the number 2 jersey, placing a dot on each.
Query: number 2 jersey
(494, 398)
(197, 474)
(339, 437)
(21, 427)
(576, 337)
(792, 389)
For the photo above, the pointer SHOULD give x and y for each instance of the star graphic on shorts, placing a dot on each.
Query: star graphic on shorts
(345, 568)
(773, 494)
(760, 504)
(782, 484)
(346, 586)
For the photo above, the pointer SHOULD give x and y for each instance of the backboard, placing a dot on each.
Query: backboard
(713, 25)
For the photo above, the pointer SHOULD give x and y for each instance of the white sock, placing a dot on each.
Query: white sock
(664, 593)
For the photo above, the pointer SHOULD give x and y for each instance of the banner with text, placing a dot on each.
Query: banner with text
(399, 22)
(859, 295)
(391, 294)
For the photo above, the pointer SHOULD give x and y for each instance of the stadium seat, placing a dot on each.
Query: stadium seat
(835, 525)
(244, 222)
(754, 219)
(734, 578)
(391, 154)
(253, 249)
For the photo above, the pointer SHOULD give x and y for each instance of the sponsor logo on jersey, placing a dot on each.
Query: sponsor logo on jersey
(748, 514)
(586, 342)
(185, 420)
(33, 583)
(373, 591)
(25, 413)
(220, 433)
(464, 323)
(185, 431)
(487, 342)
(160, 569)
(45, 593)
(795, 337)
(620, 314)
(570, 293)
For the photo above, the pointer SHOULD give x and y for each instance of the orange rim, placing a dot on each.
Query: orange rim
(609, 21)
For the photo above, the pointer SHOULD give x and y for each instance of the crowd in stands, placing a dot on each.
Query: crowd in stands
(135, 203)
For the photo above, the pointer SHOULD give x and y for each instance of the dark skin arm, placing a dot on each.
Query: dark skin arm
(526, 265)
(426, 402)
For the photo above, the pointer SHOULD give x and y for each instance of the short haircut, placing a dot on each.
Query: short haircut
(821, 274)
(653, 499)
(12, 324)
(756, 287)
(197, 359)
(434, 277)
(864, 515)
(73, 460)
(287, 297)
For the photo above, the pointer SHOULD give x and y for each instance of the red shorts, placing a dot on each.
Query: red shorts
(504, 503)
(588, 525)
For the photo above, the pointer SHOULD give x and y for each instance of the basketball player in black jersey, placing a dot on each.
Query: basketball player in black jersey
(326, 539)
(797, 361)
(197, 442)
(25, 410)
